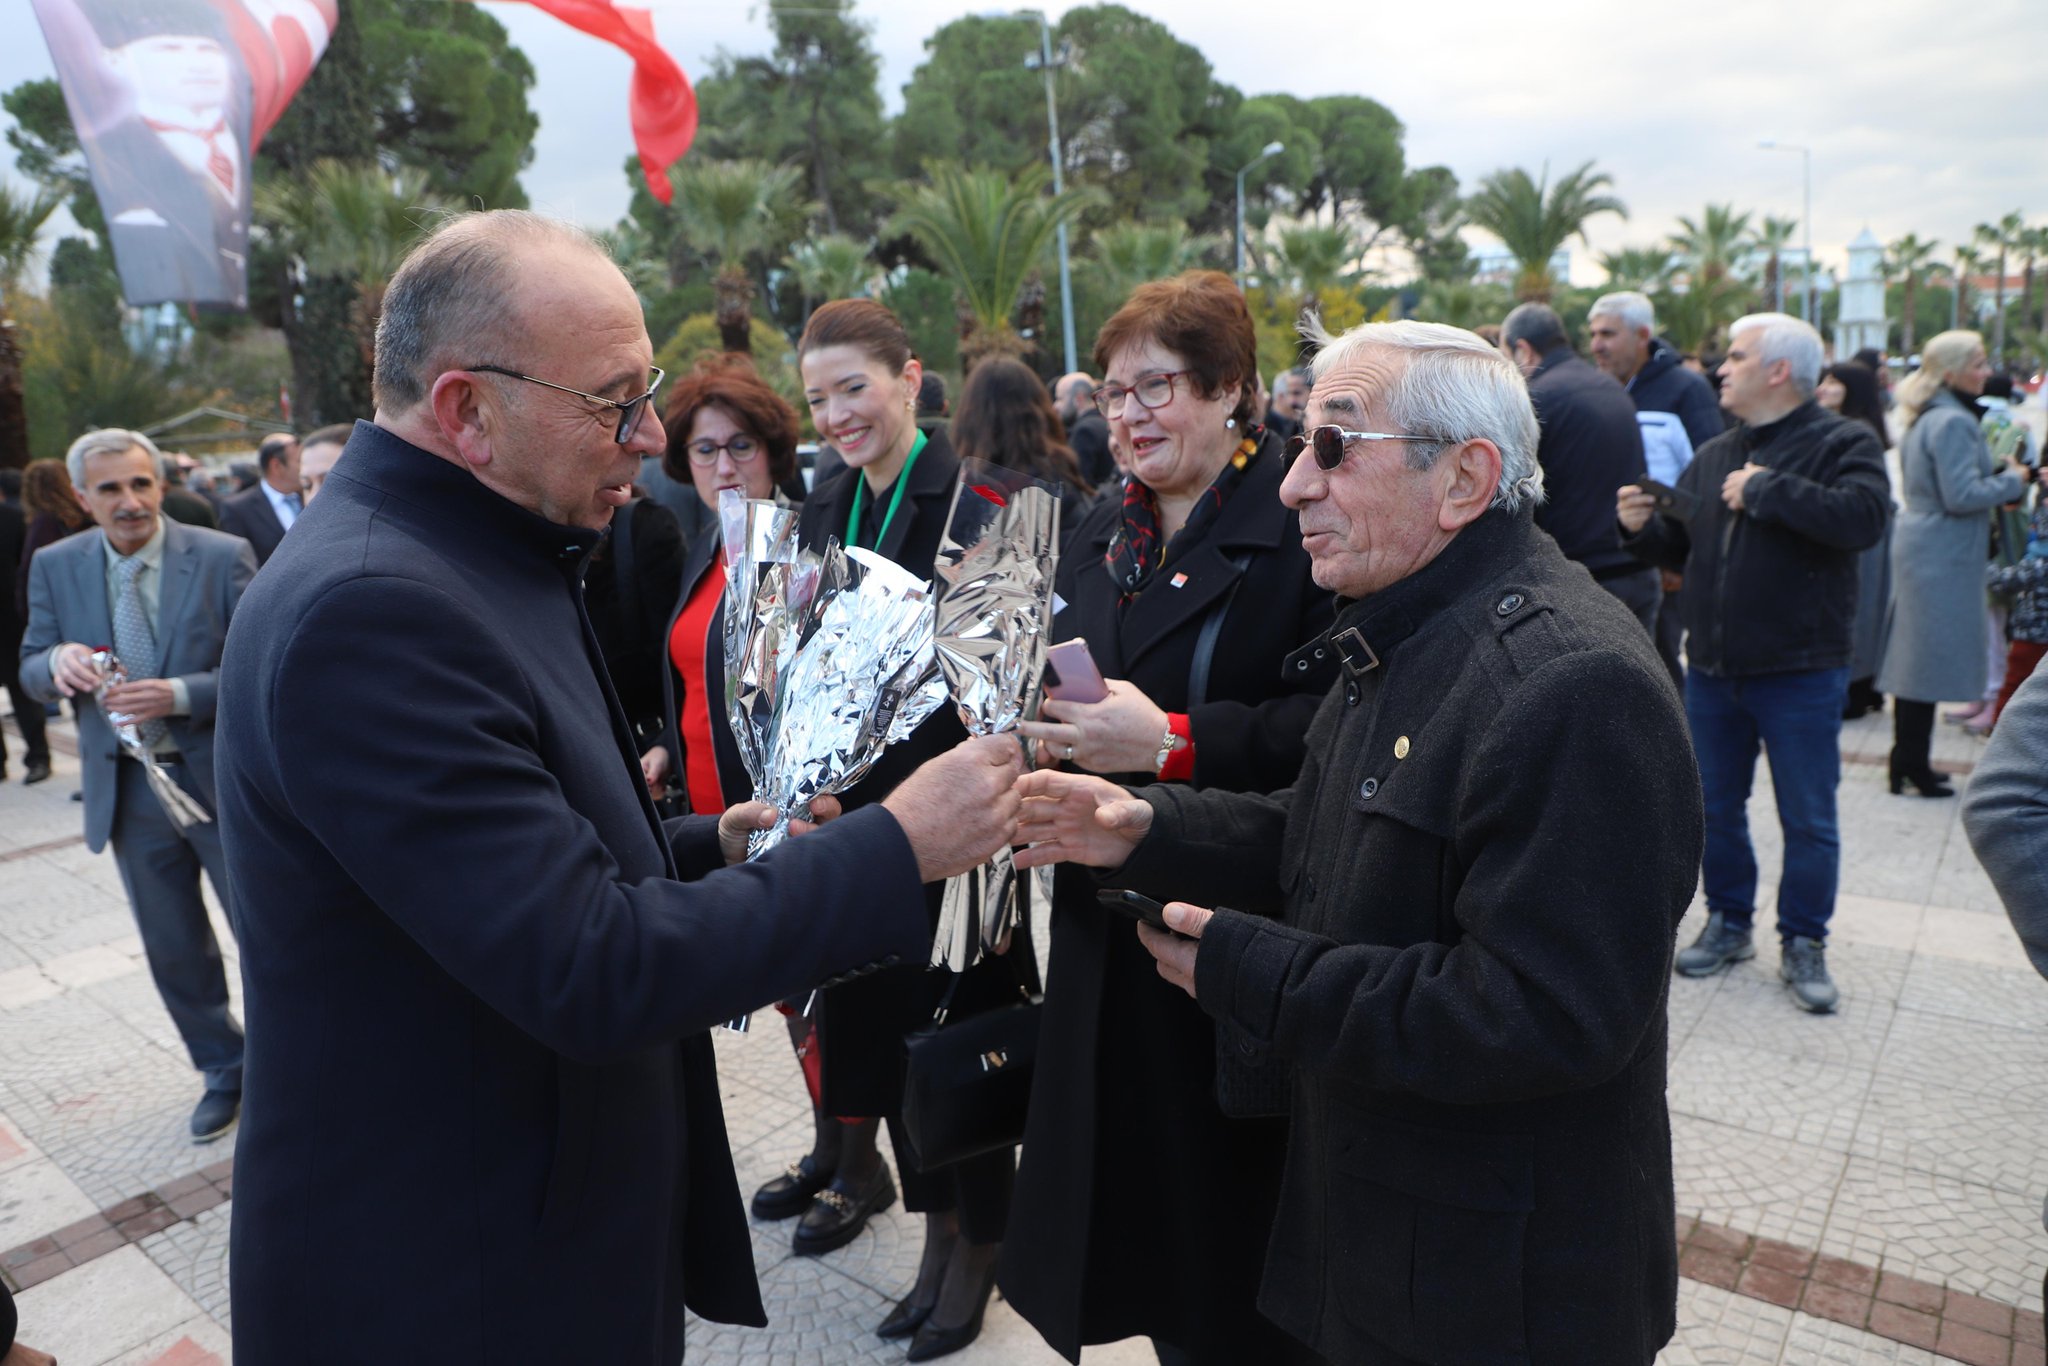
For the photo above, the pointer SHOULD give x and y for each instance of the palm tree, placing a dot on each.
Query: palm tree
(1317, 257)
(1534, 218)
(1643, 269)
(1905, 259)
(734, 212)
(354, 221)
(833, 266)
(1773, 237)
(2003, 235)
(987, 233)
(1131, 254)
(22, 217)
(2035, 243)
(1967, 263)
(1711, 245)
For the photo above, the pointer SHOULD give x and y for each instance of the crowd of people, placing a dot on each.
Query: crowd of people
(1433, 684)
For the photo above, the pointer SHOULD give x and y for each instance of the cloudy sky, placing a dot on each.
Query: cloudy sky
(1918, 121)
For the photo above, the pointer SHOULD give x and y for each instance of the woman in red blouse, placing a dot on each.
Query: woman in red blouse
(735, 433)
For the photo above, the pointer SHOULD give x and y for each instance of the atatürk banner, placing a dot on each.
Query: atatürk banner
(170, 99)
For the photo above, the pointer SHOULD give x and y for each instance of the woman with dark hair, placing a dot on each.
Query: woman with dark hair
(861, 382)
(1006, 417)
(1143, 1209)
(1850, 388)
(53, 512)
(1939, 636)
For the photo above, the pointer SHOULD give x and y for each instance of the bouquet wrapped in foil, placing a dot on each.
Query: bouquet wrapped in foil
(184, 809)
(994, 580)
(769, 585)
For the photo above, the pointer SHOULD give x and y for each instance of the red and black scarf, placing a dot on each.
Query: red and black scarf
(1137, 550)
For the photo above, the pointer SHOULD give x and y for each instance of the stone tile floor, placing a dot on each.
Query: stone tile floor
(1903, 1133)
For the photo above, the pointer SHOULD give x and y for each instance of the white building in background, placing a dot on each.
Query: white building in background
(1497, 266)
(1862, 322)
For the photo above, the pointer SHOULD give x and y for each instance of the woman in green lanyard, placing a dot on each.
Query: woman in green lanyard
(893, 497)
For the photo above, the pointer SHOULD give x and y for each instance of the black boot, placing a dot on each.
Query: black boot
(956, 1321)
(1912, 736)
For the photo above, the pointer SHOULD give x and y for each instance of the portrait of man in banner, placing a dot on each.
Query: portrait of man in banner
(163, 96)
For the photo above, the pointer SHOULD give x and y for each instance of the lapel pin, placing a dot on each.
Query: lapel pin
(1401, 748)
(1180, 580)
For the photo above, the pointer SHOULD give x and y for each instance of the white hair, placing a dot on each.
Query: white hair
(1633, 308)
(1455, 388)
(1783, 337)
(110, 441)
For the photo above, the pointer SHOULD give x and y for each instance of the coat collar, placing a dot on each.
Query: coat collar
(1369, 630)
(932, 477)
(1798, 420)
(387, 463)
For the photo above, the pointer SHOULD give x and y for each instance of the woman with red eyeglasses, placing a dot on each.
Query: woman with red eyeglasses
(1191, 592)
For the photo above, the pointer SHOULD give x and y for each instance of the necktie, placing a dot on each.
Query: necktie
(296, 502)
(134, 641)
(218, 163)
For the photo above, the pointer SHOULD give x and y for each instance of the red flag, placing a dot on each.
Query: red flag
(662, 106)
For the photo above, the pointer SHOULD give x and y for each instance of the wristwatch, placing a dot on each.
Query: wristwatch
(1167, 746)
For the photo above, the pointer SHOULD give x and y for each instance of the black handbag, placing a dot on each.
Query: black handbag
(967, 1081)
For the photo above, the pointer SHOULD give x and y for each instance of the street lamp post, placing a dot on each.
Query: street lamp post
(1045, 63)
(1805, 217)
(1272, 149)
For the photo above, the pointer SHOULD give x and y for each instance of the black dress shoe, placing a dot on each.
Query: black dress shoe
(906, 1318)
(790, 1194)
(215, 1115)
(839, 1212)
(34, 771)
(933, 1341)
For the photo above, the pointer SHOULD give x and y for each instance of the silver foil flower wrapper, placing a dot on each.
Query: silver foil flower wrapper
(994, 582)
(769, 585)
(184, 809)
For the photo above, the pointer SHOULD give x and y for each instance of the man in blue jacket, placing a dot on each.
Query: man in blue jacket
(479, 970)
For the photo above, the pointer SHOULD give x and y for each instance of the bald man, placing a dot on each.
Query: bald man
(479, 969)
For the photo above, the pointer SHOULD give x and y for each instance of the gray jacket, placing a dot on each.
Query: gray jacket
(204, 573)
(2006, 814)
(1935, 650)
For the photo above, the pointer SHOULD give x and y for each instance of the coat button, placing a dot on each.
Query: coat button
(1508, 605)
(1367, 788)
(1351, 694)
(1401, 748)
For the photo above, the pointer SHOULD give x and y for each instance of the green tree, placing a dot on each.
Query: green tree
(1462, 303)
(1431, 230)
(833, 266)
(1533, 218)
(1711, 244)
(813, 102)
(923, 302)
(988, 233)
(22, 217)
(1126, 255)
(1906, 260)
(1317, 258)
(2001, 237)
(1772, 237)
(738, 214)
(1643, 269)
(1968, 261)
(78, 375)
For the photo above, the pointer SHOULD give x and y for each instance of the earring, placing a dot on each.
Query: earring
(1229, 424)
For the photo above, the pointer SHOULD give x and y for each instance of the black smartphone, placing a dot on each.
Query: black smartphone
(1139, 907)
(1676, 501)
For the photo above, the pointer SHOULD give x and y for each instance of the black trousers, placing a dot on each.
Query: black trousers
(28, 713)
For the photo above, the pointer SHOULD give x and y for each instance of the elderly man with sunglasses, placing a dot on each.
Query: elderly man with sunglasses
(1450, 939)
(478, 969)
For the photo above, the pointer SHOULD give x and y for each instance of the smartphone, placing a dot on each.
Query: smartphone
(1139, 907)
(1676, 501)
(1071, 675)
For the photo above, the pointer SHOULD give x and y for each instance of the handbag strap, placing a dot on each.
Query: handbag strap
(1212, 627)
(1029, 989)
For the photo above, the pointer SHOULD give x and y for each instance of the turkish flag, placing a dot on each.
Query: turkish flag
(662, 106)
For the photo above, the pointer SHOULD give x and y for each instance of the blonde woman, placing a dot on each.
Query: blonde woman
(1935, 650)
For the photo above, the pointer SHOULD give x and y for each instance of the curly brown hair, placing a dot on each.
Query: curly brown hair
(1200, 316)
(731, 384)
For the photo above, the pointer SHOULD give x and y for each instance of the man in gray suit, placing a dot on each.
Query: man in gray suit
(160, 594)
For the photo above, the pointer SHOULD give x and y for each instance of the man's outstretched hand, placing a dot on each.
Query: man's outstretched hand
(961, 807)
(1076, 818)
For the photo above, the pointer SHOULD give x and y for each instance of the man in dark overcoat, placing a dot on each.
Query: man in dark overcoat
(479, 970)
(1453, 933)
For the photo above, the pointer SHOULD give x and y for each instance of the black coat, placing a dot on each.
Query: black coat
(1664, 385)
(1088, 438)
(1140, 1208)
(1773, 587)
(1477, 880)
(248, 514)
(733, 782)
(1591, 446)
(863, 1022)
(629, 587)
(458, 914)
(13, 621)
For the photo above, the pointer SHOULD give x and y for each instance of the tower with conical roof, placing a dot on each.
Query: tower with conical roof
(1861, 321)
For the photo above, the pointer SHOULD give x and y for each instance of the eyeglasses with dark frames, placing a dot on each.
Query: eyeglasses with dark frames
(630, 409)
(1153, 391)
(705, 452)
(1329, 442)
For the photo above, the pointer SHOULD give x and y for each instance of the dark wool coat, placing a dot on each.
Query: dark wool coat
(862, 1023)
(1772, 587)
(1477, 880)
(1590, 447)
(476, 993)
(1140, 1208)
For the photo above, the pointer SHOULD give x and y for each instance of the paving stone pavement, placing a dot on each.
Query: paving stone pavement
(1902, 1133)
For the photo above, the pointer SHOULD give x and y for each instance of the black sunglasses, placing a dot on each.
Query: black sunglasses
(630, 409)
(1329, 442)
